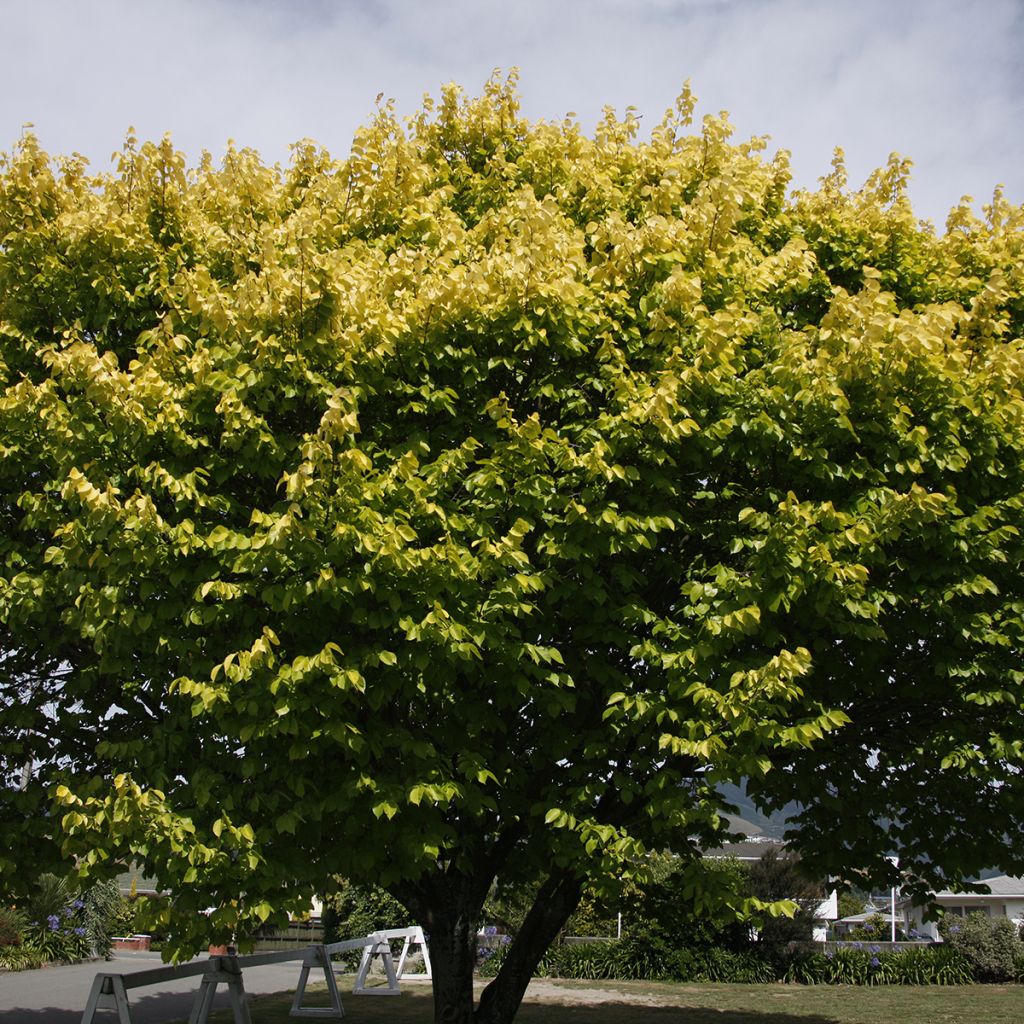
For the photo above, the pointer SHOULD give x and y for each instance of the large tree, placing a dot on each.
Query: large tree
(475, 506)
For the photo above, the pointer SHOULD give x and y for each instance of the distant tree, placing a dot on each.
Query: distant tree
(353, 910)
(777, 876)
(664, 911)
(474, 507)
(851, 903)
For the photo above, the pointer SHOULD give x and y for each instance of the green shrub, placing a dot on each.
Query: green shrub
(62, 925)
(871, 966)
(12, 926)
(664, 911)
(748, 966)
(634, 959)
(490, 965)
(60, 941)
(50, 895)
(21, 958)
(356, 910)
(780, 875)
(507, 906)
(875, 929)
(991, 945)
(104, 912)
(628, 959)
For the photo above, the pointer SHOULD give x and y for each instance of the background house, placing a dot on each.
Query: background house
(1004, 899)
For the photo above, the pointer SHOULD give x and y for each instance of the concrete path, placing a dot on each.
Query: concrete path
(57, 995)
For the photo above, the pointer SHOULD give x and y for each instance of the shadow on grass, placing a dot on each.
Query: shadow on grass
(412, 1008)
(417, 1008)
(630, 1013)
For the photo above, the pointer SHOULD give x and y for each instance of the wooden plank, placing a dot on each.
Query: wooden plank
(165, 973)
(274, 956)
(350, 944)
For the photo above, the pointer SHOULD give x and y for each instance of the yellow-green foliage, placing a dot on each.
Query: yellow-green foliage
(489, 495)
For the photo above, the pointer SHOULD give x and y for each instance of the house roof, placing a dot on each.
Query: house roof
(1001, 885)
(142, 884)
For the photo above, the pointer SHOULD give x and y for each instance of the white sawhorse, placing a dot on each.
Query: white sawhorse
(319, 957)
(110, 991)
(230, 974)
(380, 947)
(413, 937)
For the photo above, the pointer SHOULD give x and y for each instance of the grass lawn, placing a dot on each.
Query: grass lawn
(622, 1002)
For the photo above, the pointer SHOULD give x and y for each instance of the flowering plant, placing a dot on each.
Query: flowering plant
(61, 937)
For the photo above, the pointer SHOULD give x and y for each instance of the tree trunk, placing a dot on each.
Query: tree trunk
(557, 899)
(453, 957)
(448, 906)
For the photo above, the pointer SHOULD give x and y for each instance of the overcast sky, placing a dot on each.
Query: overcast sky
(941, 81)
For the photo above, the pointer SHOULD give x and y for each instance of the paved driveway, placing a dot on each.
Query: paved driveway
(57, 995)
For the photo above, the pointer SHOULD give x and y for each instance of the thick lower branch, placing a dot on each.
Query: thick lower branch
(556, 900)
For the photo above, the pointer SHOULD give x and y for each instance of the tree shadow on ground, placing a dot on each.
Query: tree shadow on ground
(158, 1008)
(174, 1008)
(631, 1013)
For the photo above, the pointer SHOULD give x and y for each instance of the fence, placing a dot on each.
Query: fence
(875, 944)
(110, 991)
(297, 934)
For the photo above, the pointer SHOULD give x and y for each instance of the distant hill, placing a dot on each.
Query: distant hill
(750, 820)
(748, 828)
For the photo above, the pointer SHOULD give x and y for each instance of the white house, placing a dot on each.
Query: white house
(1005, 898)
(754, 847)
(825, 916)
(844, 925)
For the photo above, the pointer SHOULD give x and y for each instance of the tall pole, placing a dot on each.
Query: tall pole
(895, 862)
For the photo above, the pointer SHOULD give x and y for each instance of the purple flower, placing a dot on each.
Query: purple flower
(54, 922)
(79, 931)
(875, 961)
(68, 911)
(78, 904)
(829, 955)
(874, 949)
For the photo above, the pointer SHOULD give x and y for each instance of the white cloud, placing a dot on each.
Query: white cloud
(938, 80)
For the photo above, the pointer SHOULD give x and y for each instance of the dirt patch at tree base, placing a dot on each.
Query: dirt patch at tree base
(553, 991)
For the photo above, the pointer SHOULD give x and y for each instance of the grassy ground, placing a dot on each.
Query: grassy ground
(566, 1002)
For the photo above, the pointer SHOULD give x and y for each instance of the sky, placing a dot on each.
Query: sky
(939, 81)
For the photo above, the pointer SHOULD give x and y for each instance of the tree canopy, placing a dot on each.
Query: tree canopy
(473, 507)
